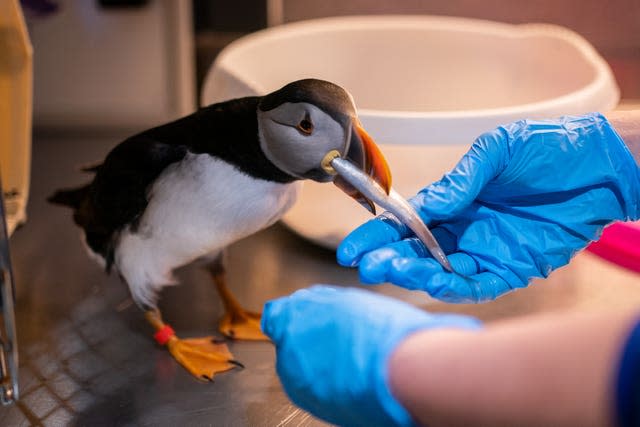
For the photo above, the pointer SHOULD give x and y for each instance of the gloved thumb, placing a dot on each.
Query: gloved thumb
(457, 189)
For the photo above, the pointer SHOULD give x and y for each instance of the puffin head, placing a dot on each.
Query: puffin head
(307, 122)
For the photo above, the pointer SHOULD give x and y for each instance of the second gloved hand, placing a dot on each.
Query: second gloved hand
(333, 347)
(524, 199)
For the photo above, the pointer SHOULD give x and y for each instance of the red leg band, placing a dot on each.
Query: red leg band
(164, 334)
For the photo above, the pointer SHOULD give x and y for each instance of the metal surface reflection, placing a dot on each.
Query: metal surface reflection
(86, 356)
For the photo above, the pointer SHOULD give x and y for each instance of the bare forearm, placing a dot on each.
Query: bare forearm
(627, 125)
(548, 370)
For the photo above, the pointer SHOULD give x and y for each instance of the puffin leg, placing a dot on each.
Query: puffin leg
(236, 323)
(202, 357)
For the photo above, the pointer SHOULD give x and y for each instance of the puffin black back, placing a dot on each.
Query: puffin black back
(117, 196)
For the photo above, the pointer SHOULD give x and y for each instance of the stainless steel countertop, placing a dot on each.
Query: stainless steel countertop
(86, 354)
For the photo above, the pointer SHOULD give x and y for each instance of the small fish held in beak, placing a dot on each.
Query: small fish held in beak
(186, 190)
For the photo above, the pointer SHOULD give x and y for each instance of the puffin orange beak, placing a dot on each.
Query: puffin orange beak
(365, 154)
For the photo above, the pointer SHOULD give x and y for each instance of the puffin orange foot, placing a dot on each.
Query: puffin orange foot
(202, 357)
(242, 325)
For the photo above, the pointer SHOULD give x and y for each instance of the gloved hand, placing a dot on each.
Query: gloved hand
(524, 199)
(333, 347)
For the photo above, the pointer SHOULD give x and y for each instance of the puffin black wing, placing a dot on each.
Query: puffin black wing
(117, 196)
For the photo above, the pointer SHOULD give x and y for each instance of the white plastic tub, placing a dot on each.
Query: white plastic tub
(425, 87)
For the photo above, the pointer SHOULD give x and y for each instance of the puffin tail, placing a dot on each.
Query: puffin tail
(71, 198)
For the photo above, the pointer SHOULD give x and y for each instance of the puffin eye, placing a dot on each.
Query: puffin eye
(305, 126)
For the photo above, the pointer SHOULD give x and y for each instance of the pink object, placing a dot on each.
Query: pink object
(620, 244)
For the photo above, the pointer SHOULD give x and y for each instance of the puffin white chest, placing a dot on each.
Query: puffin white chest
(197, 207)
(210, 202)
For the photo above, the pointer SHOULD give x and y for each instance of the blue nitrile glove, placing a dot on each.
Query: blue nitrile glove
(333, 347)
(524, 199)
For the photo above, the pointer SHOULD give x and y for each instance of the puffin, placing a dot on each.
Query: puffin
(184, 191)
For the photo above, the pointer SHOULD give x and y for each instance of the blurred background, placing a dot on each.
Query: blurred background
(612, 27)
(100, 63)
(103, 69)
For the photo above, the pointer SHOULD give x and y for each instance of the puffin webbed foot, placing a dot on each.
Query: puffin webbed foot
(202, 357)
(242, 325)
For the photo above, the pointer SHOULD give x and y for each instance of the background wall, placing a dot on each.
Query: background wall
(612, 26)
(106, 66)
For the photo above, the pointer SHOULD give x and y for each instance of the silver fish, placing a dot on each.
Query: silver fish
(392, 202)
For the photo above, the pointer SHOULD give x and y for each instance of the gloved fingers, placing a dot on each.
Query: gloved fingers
(371, 235)
(274, 318)
(415, 273)
(332, 355)
(476, 288)
(448, 197)
(465, 286)
(374, 264)
(447, 240)
(319, 306)
(280, 313)
(398, 264)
